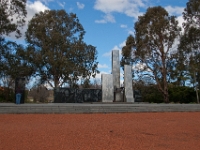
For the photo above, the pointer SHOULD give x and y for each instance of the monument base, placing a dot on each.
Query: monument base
(107, 88)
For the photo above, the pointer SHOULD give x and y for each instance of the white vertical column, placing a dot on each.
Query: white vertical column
(128, 83)
(116, 73)
(107, 87)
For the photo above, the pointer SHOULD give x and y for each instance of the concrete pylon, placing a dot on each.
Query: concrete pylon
(128, 84)
(116, 74)
(107, 88)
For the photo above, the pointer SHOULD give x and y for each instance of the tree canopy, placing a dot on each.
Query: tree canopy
(127, 52)
(13, 14)
(155, 34)
(191, 14)
(56, 48)
(189, 47)
(12, 18)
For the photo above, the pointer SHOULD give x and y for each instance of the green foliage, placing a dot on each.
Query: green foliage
(14, 64)
(12, 18)
(177, 94)
(189, 46)
(56, 48)
(182, 94)
(127, 51)
(151, 94)
(7, 95)
(191, 14)
(86, 83)
(13, 13)
(155, 34)
(190, 40)
(39, 94)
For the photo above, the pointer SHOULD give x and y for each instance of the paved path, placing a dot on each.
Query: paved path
(68, 108)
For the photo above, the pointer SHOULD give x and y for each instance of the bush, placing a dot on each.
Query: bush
(39, 94)
(177, 94)
(182, 94)
(150, 94)
(7, 95)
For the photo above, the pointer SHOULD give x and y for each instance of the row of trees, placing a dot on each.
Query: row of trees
(54, 50)
(161, 52)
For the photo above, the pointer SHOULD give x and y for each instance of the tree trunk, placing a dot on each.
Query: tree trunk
(56, 82)
(164, 75)
(166, 95)
(197, 94)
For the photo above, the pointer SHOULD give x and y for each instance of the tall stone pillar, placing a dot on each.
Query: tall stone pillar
(116, 74)
(107, 87)
(128, 84)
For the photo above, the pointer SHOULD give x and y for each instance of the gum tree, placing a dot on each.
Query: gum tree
(189, 46)
(12, 18)
(56, 48)
(155, 35)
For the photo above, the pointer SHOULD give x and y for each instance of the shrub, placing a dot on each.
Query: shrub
(182, 94)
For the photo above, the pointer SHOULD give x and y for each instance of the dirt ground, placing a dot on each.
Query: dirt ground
(125, 131)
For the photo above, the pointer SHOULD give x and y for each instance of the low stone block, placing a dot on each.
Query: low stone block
(128, 84)
(107, 87)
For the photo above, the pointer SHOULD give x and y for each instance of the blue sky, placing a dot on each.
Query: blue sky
(107, 22)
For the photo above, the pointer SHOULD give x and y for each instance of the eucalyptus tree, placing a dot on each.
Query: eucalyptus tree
(155, 35)
(13, 14)
(189, 46)
(127, 52)
(14, 63)
(56, 48)
(12, 18)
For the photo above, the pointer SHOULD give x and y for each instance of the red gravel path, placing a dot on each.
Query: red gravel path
(126, 131)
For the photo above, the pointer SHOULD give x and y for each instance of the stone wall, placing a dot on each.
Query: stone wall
(69, 95)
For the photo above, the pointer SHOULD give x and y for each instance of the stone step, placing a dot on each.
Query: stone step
(94, 108)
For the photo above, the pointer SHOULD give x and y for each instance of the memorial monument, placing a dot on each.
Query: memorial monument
(110, 91)
(111, 82)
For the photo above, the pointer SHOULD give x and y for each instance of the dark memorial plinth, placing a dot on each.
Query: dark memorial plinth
(19, 90)
(70, 95)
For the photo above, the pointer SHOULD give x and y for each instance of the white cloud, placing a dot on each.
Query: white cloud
(61, 4)
(139, 66)
(121, 78)
(35, 7)
(123, 26)
(107, 54)
(131, 32)
(121, 45)
(180, 21)
(106, 18)
(71, 9)
(98, 76)
(102, 66)
(32, 8)
(127, 7)
(80, 5)
(175, 10)
(100, 21)
(46, 1)
(116, 47)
